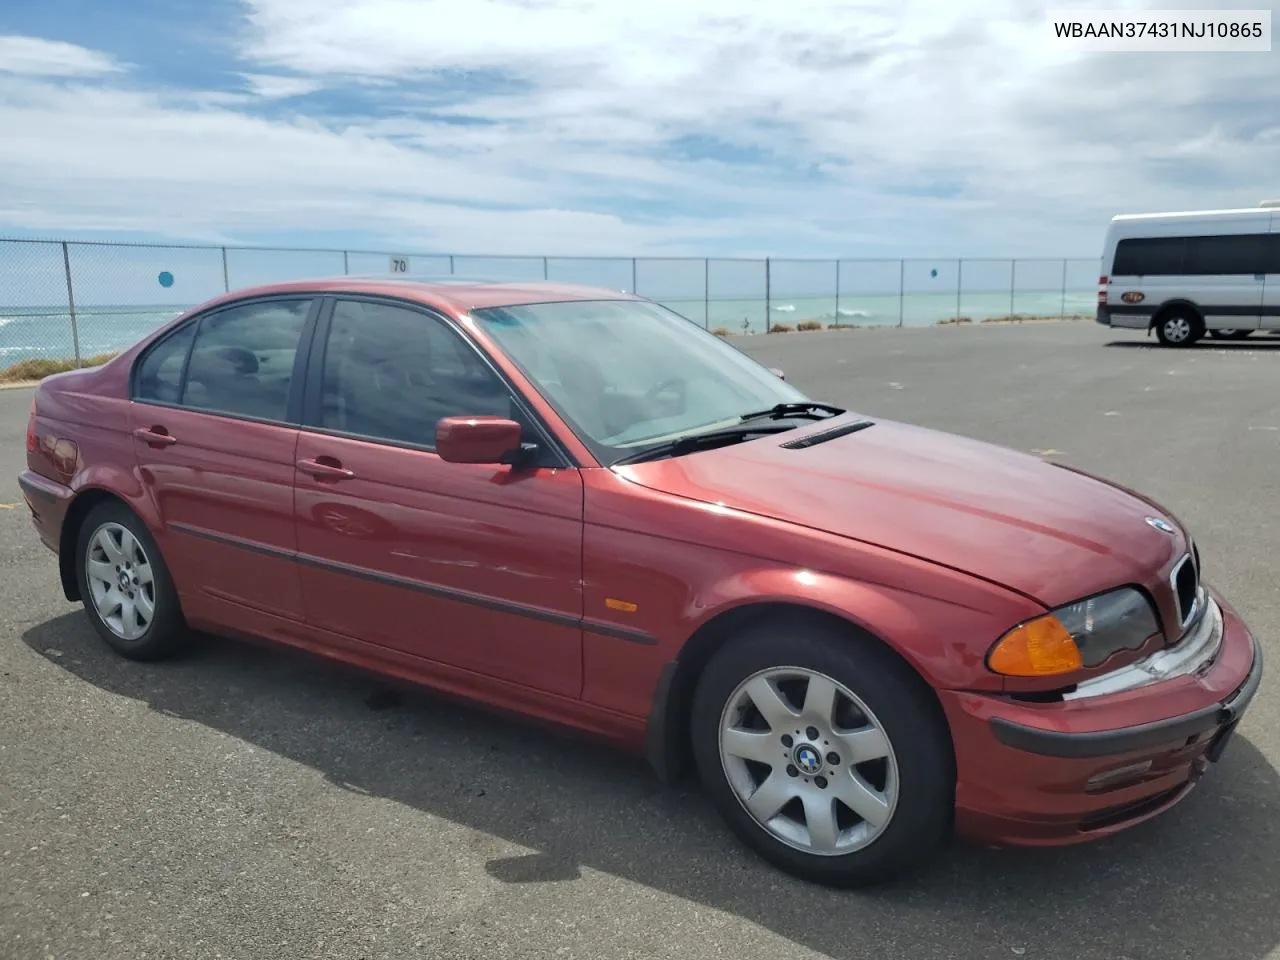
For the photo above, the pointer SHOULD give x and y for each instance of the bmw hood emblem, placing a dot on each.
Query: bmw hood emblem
(1162, 525)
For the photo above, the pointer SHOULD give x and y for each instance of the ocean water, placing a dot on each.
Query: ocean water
(28, 332)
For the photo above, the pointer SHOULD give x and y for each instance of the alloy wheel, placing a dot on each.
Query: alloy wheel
(121, 581)
(808, 761)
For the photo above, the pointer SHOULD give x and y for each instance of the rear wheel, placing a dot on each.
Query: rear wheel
(824, 753)
(1229, 334)
(125, 585)
(1179, 328)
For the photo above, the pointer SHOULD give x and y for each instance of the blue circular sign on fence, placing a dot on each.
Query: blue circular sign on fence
(932, 273)
(165, 278)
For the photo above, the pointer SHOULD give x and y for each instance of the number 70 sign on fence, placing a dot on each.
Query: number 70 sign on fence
(399, 265)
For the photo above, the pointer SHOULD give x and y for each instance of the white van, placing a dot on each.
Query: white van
(1187, 274)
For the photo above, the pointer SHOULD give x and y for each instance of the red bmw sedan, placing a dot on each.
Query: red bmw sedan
(577, 506)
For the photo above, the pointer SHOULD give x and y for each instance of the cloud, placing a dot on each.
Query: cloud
(35, 57)
(273, 87)
(800, 128)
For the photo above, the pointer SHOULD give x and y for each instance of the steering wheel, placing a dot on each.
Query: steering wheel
(662, 385)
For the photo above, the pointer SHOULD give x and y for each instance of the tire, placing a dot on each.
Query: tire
(1229, 334)
(1179, 328)
(890, 710)
(112, 535)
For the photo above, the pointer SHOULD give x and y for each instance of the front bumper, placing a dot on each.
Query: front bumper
(1053, 773)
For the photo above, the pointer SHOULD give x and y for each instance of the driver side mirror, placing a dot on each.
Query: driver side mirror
(777, 373)
(478, 440)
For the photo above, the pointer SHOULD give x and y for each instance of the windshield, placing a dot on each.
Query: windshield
(629, 373)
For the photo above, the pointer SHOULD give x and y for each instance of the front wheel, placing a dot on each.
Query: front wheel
(824, 753)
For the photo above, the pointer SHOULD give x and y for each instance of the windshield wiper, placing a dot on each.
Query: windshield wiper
(700, 441)
(807, 408)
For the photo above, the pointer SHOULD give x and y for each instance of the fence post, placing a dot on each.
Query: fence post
(768, 293)
(1064, 287)
(345, 268)
(1013, 284)
(902, 288)
(544, 268)
(959, 284)
(226, 280)
(71, 303)
(706, 293)
(451, 264)
(635, 287)
(837, 291)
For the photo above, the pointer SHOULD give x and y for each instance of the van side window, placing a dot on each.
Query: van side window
(1151, 257)
(1272, 258)
(1215, 256)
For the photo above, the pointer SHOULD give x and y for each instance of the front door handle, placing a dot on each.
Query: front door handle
(325, 468)
(155, 436)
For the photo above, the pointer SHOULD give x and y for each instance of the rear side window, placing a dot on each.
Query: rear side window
(160, 374)
(1206, 256)
(1153, 257)
(242, 359)
(391, 373)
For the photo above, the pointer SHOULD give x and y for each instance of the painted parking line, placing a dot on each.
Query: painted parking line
(8, 506)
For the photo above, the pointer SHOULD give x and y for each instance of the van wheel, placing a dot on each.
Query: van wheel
(1179, 328)
(125, 585)
(823, 752)
(1229, 334)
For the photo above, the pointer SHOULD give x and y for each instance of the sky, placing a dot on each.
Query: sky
(784, 128)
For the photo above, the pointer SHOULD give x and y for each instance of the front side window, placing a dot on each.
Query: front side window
(391, 373)
(627, 373)
(242, 360)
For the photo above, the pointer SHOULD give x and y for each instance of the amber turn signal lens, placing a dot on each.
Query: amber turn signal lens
(1039, 648)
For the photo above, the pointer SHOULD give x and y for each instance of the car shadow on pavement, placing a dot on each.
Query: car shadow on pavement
(1202, 345)
(1198, 881)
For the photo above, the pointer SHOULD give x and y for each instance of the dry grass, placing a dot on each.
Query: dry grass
(806, 325)
(39, 368)
(781, 328)
(722, 332)
(942, 323)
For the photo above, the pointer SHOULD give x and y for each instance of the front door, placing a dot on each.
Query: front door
(215, 448)
(477, 567)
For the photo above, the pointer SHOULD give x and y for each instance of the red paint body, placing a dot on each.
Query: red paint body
(492, 582)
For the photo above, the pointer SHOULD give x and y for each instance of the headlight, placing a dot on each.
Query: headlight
(1080, 634)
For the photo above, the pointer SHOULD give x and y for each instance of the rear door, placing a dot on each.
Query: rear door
(215, 412)
(473, 566)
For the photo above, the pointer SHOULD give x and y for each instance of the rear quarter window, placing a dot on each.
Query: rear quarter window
(1149, 257)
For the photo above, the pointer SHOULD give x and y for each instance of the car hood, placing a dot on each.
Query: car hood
(1049, 532)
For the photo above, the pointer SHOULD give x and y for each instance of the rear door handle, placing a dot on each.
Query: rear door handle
(155, 436)
(326, 468)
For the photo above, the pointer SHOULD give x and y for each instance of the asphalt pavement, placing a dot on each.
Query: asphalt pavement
(248, 803)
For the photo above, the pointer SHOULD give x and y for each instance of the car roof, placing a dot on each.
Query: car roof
(451, 293)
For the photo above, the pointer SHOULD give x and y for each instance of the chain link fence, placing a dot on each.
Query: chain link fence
(80, 300)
